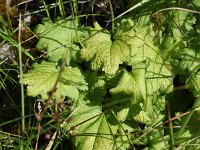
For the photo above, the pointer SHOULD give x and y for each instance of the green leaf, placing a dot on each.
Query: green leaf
(93, 131)
(158, 142)
(171, 48)
(101, 52)
(176, 36)
(133, 86)
(190, 135)
(129, 41)
(180, 25)
(122, 114)
(142, 117)
(184, 21)
(141, 40)
(193, 83)
(196, 2)
(96, 130)
(190, 59)
(145, 84)
(97, 86)
(58, 39)
(159, 77)
(42, 77)
(146, 78)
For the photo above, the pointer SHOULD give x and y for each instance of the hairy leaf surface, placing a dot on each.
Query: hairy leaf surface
(93, 131)
(42, 77)
(190, 60)
(58, 39)
(129, 41)
(193, 83)
(147, 81)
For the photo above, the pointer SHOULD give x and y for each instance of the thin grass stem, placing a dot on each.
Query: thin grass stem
(46, 9)
(170, 125)
(129, 140)
(9, 39)
(132, 8)
(75, 23)
(112, 16)
(75, 8)
(61, 8)
(22, 86)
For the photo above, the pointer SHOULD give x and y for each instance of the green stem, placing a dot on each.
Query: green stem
(132, 8)
(75, 22)
(22, 86)
(61, 8)
(75, 6)
(184, 124)
(170, 124)
(195, 107)
(112, 16)
(122, 127)
(9, 39)
(46, 9)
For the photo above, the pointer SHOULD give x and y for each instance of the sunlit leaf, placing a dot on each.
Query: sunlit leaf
(42, 78)
(193, 83)
(93, 131)
(59, 39)
(129, 43)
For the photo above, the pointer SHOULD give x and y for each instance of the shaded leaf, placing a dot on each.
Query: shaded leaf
(145, 84)
(97, 86)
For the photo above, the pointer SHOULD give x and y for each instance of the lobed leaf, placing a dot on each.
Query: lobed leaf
(42, 77)
(146, 83)
(129, 41)
(59, 39)
(93, 131)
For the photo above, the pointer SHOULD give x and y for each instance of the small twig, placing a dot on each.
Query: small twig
(172, 119)
(176, 8)
(50, 94)
(53, 90)
(38, 136)
(38, 116)
(24, 2)
(181, 87)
